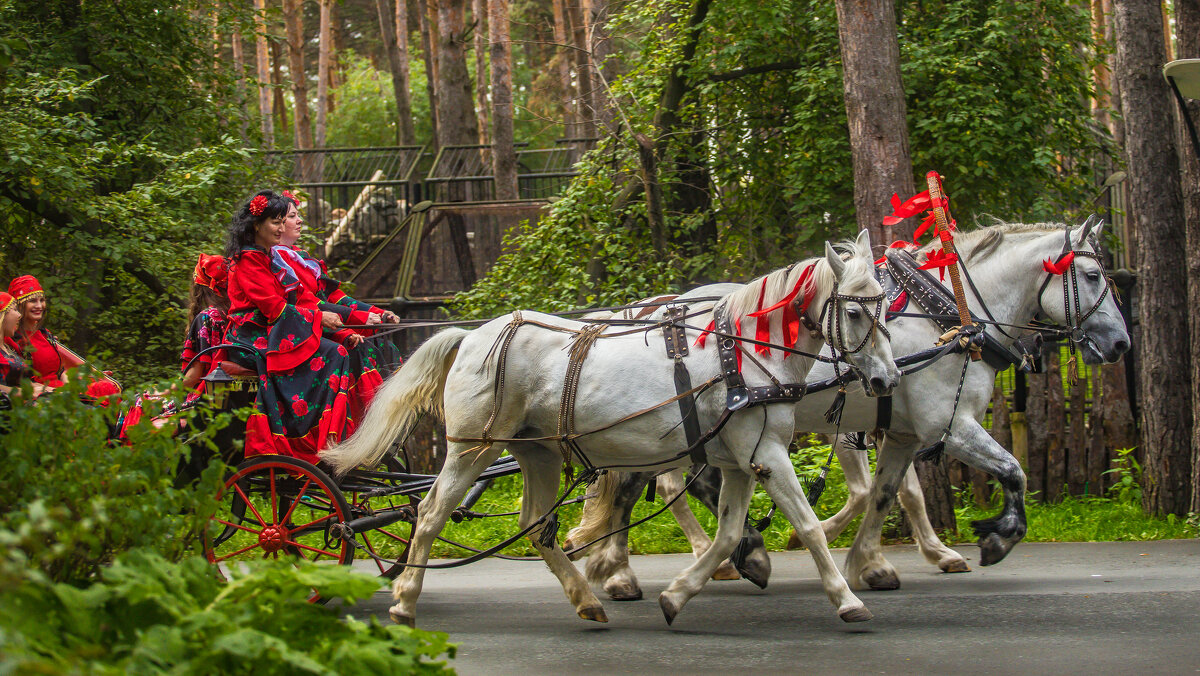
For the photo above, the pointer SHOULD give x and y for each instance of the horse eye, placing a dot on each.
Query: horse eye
(1093, 276)
(853, 313)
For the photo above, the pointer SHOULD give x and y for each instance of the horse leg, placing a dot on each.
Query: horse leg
(865, 565)
(779, 480)
(856, 467)
(540, 468)
(452, 483)
(609, 562)
(670, 485)
(754, 563)
(972, 444)
(932, 548)
(734, 500)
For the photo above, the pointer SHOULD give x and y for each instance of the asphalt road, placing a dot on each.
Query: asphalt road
(1078, 608)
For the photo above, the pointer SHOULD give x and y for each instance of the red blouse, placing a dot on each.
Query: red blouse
(44, 357)
(252, 286)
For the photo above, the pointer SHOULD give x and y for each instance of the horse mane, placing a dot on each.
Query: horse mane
(976, 245)
(780, 282)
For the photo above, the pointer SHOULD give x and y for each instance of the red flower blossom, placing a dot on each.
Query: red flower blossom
(342, 351)
(345, 382)
(333, 381)
(258, 204)
(316, 364)
(299, 406)
(285, 345)
(260, 343)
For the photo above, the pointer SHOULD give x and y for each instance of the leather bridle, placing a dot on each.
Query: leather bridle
(1074, 315)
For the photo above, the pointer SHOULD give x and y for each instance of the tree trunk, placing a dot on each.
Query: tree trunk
(239, 66)
(595, 13)
(262, 60)
(324, 59)
(408, 133)
(293, 15)
(1187, 27)
(456, 111)
(562, 59)
(280, 105)
(504, 156)
(429, 44)
(1115, 416)
(1156, 207)
(396, 59)
(481, 15)
(939, 498)
(1056, 419)
(583, 73)
(875, 113)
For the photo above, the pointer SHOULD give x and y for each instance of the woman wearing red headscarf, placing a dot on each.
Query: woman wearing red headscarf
(206, 319)
(39, 347)
(12, 366)
(303, 402)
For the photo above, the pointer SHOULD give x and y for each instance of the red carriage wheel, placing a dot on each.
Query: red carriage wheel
(273, 506)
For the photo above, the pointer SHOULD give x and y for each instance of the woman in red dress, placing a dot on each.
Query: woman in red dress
(367, 358)
(206, 319)
(39, 347)
(303, 402)
(12, 366)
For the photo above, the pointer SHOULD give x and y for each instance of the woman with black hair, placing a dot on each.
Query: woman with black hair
(303, 400)
(207, 317)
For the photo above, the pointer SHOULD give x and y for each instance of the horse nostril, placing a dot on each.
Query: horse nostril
(878, 384)
(1121, 346)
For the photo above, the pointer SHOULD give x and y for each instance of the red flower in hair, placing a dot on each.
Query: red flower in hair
(258, 204)
(289, 195)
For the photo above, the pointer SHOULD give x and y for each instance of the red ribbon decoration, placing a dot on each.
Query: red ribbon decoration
(915, 205)
(939, 259)
(898, 244)
(1061, 266)
(762, 327)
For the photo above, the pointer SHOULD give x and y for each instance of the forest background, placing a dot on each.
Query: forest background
(133, 129)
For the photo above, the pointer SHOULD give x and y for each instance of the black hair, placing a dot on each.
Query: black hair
(204, 298)
(241, 229)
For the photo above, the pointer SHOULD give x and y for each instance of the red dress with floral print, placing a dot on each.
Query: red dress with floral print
(303, 397)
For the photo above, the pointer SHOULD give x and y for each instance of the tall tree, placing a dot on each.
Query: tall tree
(1187, 28)
(324, 66)
(583, 70)
(1156, 208)
(262, 60)
(562, 59)
(457, 124)
(239, 67)
(429, 45)
(408, 134)
(293, 18)
(387, 34)
(278, 104)
(480, 16)
(875, 113)
(504, 156)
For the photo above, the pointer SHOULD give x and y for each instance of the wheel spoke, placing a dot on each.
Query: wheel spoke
(235, 525)
(293, 529)
(371, 549)
(315, 549)
(249, 504)
(296, 500)
(392, 535)
(274, 503)
(243, 550)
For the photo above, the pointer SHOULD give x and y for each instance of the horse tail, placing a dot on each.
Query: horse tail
(417, 387)
(597, 511)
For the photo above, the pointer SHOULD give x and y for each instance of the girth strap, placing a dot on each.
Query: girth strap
(676, 341)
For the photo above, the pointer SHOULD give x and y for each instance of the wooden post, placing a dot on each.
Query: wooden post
(942, 216)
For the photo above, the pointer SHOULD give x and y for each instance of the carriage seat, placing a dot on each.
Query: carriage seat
(237, 371)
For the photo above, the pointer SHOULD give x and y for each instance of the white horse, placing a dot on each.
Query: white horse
(503, 389)
(1005, 263)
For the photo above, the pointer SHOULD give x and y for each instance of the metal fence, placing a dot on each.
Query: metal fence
(464, 173)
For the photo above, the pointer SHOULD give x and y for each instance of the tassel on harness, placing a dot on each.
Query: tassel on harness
(833, 416)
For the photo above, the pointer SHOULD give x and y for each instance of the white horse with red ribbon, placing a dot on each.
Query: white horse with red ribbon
(548, 389)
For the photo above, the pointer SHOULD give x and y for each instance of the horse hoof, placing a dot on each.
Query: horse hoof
(726, 571)
(757, 570)
(401, 618)
(992, 550)
(669, 609)
(882, 580)
(955, 566)
(623, 591)
(593, 613)
(860, 614)
(794, 542)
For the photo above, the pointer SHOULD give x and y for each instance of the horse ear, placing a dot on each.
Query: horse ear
(1092, 227)
(835, 262)
(863, 243)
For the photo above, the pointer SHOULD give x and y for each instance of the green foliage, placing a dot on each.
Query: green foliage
(1127, 483)
(72, 499)
(149, 615)
(120, 162)
(996, 99)
(1087, 519)
(366, 108)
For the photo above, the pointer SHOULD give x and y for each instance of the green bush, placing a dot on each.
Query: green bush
(149, 615)
(72, 498)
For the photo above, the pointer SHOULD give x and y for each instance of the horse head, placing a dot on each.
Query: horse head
(851, 316)
(1084, 302)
